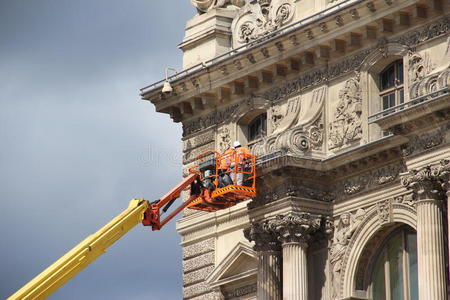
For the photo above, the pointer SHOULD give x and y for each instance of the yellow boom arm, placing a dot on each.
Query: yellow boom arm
(83, 254)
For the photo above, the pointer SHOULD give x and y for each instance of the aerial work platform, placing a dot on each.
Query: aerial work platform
(211, 189)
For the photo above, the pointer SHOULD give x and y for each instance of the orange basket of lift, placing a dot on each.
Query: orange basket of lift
(223, 187)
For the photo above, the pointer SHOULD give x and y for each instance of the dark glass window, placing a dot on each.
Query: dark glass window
(395, 274)
(257, 128)
(391, 85)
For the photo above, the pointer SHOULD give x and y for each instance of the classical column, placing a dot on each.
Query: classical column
(294, 232)
(443, 173)
(430, 233)
(268, 286)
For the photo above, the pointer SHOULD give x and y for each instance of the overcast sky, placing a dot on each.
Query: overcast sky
(76, 141)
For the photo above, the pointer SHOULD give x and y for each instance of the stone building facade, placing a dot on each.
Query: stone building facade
(347, 105)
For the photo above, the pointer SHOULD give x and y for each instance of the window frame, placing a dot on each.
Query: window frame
(397, 89)
(383, 258)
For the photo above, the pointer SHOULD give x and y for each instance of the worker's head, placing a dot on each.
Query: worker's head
(236, 144)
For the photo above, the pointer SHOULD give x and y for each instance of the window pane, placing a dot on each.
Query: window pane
(257, 128)
(395, 257)
(388, 77)
(411, 239)
(401, 96)
(379, 289)
(388, 101)
(400, 71)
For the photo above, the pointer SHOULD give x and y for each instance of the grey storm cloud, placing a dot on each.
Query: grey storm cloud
(77, 142)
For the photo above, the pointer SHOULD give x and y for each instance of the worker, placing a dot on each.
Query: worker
(240, 160)
(224, 167)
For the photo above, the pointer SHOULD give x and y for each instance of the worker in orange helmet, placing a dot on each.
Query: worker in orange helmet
(242, 154)
(224, 167)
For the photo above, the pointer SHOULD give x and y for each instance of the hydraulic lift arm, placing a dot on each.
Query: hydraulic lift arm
(138, 211)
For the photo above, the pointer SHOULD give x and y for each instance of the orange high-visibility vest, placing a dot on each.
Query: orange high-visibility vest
(226, 159)
(242, 153)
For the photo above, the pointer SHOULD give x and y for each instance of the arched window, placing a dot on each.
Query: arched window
(391, 85)
(394, 274)
(257, 128)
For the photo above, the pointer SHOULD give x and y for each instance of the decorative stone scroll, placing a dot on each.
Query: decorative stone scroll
(424, 182)
(264, 236)
(295, 228)
(260, 17)
(424, 78)
(346, 127)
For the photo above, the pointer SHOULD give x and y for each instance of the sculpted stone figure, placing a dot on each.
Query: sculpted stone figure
(346, 127)
(205, 5)
(344, 228)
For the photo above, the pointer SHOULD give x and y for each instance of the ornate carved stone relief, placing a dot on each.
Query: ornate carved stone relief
(321, 75)
(295, 227)
(424, 78)
(263, 235)
(346, 129)
(425, 141)
(344, 227)
(384, 210)
(242, 291)
(419, 66)
(306, 114)
(371, 180)
(223, 139)
(260, 17)
(289, 188)
(206, 5)
(430, 182)
(198, 140)
(284, 228)
(285, 115)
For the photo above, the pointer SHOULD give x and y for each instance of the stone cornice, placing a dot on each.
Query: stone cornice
(206, 79)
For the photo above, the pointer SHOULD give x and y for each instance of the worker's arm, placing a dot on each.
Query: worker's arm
(83, 254)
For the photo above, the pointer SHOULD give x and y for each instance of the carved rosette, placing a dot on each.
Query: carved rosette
(424, 183)
(263, 235)
(295, 228)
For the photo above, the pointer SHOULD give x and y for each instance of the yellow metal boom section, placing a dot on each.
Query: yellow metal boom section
(83, 254)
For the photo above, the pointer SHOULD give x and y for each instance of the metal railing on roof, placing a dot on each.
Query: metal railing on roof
(249, 46)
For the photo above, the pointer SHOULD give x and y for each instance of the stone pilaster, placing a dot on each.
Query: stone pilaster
(294, 232)
(430, 233)
(269, 260)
